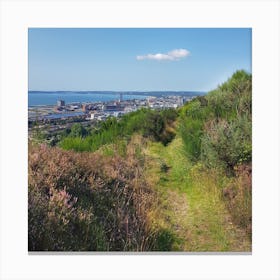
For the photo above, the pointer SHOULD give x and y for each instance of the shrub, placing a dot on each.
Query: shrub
(151, 124)
(221, 104)
(77, 143)
(77, 130)
(238, 83)
(217, 128)
(191, 131)
(167, 135)
(227, 144)
(87, 202)
(169, 115)
(238, 197)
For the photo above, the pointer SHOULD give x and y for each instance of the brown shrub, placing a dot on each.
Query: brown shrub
(238, 197)
(85, 201)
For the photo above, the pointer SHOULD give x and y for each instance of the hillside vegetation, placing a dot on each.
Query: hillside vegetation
(171, 180)
(153, 124)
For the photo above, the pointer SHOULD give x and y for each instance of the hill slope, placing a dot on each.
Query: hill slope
(152, 181)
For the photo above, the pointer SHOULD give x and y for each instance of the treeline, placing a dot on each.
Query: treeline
(155, 125)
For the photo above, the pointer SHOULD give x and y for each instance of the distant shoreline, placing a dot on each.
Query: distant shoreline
(118, 92)
(45, 98)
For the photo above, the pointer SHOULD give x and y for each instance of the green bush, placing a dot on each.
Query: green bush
(169, 115)
(151, 124)
(77, 130)
(191, 127)
(191, 131)
(238, 83)
(77, 143)
(221, 104)
(226, 144)
(217, 128)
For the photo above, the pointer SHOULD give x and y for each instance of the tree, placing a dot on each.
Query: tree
(77, 130)
(154, 125)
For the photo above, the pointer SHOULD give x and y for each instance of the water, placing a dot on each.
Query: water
(36, 98)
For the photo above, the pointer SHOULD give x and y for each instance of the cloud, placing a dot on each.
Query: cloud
(171, 56)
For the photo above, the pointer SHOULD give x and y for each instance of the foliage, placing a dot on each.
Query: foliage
(77, 130)
(239, 83)
(227, 144)
(111, 198)
(217, 128)
(87, 202)
(191, 131)
(238, 197)
(151, 124)
(217, 132)
(190, 207)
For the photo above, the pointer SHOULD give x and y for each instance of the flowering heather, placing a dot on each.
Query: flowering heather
(87, 201)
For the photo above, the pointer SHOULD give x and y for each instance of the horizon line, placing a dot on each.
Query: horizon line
(118, 90)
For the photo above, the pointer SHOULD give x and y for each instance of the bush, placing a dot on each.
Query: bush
(238, 197)
(191, 131)
(87, 202)
(217, 128)
(77, 130)
(77, 143)
(169, 115)
(227, 144)
(221, 104)
(238, 83)
(151, 124)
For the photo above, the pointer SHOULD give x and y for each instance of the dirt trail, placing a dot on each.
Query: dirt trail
(190, 204)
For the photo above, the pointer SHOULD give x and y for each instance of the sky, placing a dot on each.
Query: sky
(135, 59)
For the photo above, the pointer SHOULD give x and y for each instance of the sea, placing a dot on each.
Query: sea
(39, 98)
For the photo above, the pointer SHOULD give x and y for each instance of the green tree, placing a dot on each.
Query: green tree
(154, 125)
(77, 130)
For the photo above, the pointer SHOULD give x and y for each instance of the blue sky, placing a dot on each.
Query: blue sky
(135, 59)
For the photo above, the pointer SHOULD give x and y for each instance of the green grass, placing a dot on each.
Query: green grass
(190, 204)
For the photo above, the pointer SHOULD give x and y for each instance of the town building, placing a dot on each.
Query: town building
(60, 103)
(85, 107)
(113, 107)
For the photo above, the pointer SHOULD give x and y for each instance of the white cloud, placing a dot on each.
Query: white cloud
(172, 55)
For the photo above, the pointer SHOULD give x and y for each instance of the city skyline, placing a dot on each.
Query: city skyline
(135, 59)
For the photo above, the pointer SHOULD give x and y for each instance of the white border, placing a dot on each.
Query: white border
(17, 16)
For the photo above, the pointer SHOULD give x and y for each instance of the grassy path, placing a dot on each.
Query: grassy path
(190, 206)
